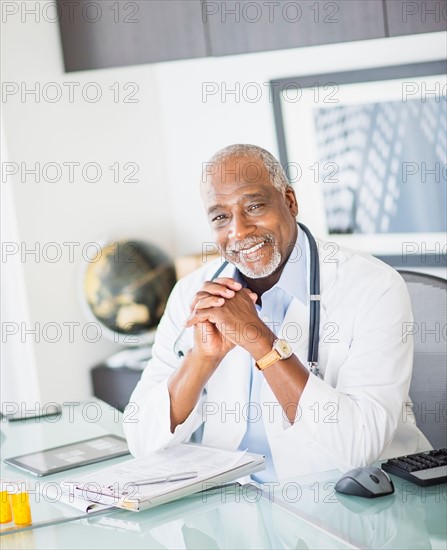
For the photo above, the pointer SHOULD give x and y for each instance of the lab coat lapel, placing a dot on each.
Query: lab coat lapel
(225, 426)
(295, 328)
(225, 422)
(329, 257)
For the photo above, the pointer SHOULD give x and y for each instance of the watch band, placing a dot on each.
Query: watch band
(281, 349)
(268, 360)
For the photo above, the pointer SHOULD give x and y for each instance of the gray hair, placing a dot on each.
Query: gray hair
(276, 172)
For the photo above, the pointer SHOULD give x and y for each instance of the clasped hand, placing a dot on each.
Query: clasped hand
(224, 315)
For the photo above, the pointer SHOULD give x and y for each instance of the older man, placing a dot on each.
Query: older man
(244, 381)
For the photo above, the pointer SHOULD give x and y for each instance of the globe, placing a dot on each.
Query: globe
(126, 286)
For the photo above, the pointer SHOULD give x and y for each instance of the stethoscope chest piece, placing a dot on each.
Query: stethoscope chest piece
(315, 370)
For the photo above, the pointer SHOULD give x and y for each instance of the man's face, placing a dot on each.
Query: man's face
(252, 222)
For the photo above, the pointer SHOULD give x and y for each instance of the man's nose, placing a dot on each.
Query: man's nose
(240, 227)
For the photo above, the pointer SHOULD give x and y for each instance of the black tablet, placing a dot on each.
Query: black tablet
(66, 457)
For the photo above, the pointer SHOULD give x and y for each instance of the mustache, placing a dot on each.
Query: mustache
(237, 246)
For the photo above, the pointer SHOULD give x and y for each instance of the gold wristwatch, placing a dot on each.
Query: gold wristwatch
(281, 349)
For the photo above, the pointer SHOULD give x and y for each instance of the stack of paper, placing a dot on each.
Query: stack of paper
(164, 476)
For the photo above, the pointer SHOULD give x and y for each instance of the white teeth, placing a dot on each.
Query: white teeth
(253, 248)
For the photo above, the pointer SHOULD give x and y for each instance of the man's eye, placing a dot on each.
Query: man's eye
(219, 218)
(255, 206)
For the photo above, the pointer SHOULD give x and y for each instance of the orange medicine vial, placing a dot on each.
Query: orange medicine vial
(5, 506)
(21, 509)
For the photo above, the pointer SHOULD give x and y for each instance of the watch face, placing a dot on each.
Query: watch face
(283, 348)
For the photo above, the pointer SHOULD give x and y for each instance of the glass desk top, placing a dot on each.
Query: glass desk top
(78, 421)
(297, 513)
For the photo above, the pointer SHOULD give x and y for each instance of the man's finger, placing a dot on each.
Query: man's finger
(228, 282)
(214, 289)
(208, 302)
(254, 297)
(199, 316)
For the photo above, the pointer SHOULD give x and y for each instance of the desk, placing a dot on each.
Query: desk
(297, 513)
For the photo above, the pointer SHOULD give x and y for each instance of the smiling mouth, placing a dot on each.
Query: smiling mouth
(251, 252)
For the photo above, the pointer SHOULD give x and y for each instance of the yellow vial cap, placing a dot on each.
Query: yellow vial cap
(5, 507)
(21, 509)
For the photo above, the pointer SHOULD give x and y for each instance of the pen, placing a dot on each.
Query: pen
(178, 344)
(165, 479)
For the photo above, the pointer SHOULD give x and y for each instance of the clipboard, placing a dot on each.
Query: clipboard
(215, 467)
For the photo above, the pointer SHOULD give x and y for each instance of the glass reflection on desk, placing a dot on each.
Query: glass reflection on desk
(413, 517)
(240, 518)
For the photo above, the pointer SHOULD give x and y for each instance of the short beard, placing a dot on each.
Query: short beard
(271, 267)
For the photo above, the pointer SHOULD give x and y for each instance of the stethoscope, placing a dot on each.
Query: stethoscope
(314, 317)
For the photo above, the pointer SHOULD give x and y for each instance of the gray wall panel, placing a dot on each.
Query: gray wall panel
(130, 33)
(416, 16)
(243, 27)
(148, 31)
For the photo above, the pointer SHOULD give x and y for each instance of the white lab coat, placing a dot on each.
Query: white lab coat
(353, 417)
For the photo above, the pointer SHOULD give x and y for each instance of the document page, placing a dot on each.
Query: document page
(67, 496)
(119, 482)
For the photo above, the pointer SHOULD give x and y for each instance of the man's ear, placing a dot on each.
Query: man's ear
(291, 201)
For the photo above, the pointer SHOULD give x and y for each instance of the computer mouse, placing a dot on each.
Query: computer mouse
(368, 482)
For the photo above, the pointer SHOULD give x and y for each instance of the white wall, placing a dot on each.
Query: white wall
(104, 132)
(169, 133)
(17, 358)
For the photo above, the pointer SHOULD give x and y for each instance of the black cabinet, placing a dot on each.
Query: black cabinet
(114, 385)
(415, 16)
(97, 35)
(242, 27)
